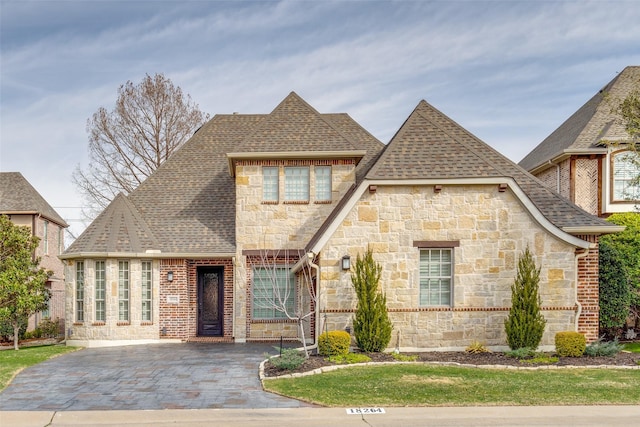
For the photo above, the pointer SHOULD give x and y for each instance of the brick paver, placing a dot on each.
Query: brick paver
(156, 376)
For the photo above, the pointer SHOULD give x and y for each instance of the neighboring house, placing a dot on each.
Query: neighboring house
(586, 159)
(25, 206)
(445, 215)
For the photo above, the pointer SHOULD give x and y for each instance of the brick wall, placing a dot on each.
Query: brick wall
(588, 291)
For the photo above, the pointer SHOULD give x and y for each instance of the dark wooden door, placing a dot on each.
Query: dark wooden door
(210, 301)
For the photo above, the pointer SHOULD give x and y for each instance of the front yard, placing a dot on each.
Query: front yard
(426, 385)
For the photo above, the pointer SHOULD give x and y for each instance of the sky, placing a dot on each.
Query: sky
(510, 72)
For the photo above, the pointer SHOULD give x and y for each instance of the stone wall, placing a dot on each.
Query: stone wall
(492, 229)
(111, 328)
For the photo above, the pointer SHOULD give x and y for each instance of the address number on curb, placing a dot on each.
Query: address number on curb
(363, 411)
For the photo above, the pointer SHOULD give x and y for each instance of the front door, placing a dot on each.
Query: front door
(210, 298)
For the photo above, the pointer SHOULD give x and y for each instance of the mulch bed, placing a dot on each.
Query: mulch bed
(494, 358)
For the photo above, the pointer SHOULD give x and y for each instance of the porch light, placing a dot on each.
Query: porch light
(169, 276)
(346, 262)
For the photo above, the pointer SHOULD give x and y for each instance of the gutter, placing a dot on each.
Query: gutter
(150, 254)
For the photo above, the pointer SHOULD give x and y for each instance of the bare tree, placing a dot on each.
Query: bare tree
(280, 291)
(126, 145)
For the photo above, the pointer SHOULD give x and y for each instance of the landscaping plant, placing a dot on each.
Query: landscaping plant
(334, 343)
(570, 344)
(371, 324)
(614, 290)
(525, 324)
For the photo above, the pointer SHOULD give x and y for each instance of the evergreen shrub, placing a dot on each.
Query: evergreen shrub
(371, 323)
(334, 343)
(525, 324)
(570, 344)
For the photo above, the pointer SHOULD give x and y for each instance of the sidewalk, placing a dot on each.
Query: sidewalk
(525, 416)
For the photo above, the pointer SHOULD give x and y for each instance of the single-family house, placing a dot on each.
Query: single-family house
(587, 158)
(183, 256)
(26, 207)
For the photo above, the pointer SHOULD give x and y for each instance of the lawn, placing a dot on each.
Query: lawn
(12, 362)
(633, 347)
(425, 385)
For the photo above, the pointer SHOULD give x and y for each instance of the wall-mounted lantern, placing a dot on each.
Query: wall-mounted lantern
(169, 276)
(346, 262)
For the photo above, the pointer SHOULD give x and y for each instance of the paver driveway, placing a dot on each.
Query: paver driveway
(157, 376)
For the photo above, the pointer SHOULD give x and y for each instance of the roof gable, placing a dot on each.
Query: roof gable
(295, 126)
(17, 195)
(590, 125)
(119, 228)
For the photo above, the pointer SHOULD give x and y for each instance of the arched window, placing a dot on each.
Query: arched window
(626, 170)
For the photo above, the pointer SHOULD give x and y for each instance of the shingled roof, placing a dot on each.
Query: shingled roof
(188, 205)
(17, 196)
(430, 145)
(588, 127)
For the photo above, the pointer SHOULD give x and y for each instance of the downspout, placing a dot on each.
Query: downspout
(579, 311)
(311, 256)
(233, 306)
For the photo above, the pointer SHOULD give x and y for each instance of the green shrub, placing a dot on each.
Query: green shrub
(350, 358)
(614, 290)
(289, 359)
(6, 329)
(627, 243)
(525, 324)
(603, 348)
(521, 353)
(371, 323)
(49, 328)
(334, 343)
(570, 344)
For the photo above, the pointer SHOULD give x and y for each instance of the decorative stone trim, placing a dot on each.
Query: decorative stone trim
(457, 309)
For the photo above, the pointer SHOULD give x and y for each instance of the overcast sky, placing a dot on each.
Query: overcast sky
(508, 71)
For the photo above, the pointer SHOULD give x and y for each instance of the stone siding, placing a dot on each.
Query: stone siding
(111, 328)
(492, 229)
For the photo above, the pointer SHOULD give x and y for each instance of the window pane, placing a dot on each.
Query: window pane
(270, 184)
(146, 291)
(80, 291)
(123, 290)
(323, 183)
(100, 291)
(273, 289)
(626, 168)
(296, 183)
(435, 277)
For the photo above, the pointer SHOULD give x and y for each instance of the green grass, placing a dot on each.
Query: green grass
(424, 385)
(633, 347)
(12, 362)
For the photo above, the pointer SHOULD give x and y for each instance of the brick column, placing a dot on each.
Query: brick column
(588, 290)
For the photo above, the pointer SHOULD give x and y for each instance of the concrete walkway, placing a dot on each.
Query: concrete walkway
(161, 376)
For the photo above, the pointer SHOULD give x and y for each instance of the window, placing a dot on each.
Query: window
(123, 291)
(436, 277)
(296, 184)
(80, 291)
(45, 238)
(323, 183)
(626, 169)
(46, 313)
(270, 184)
(100, 291)
(273, 290)
(146, 291)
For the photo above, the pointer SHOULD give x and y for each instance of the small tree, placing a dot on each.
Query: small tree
(277, 289)
(371, 324)
(22, 281)
(525, 324)
(614, 291)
